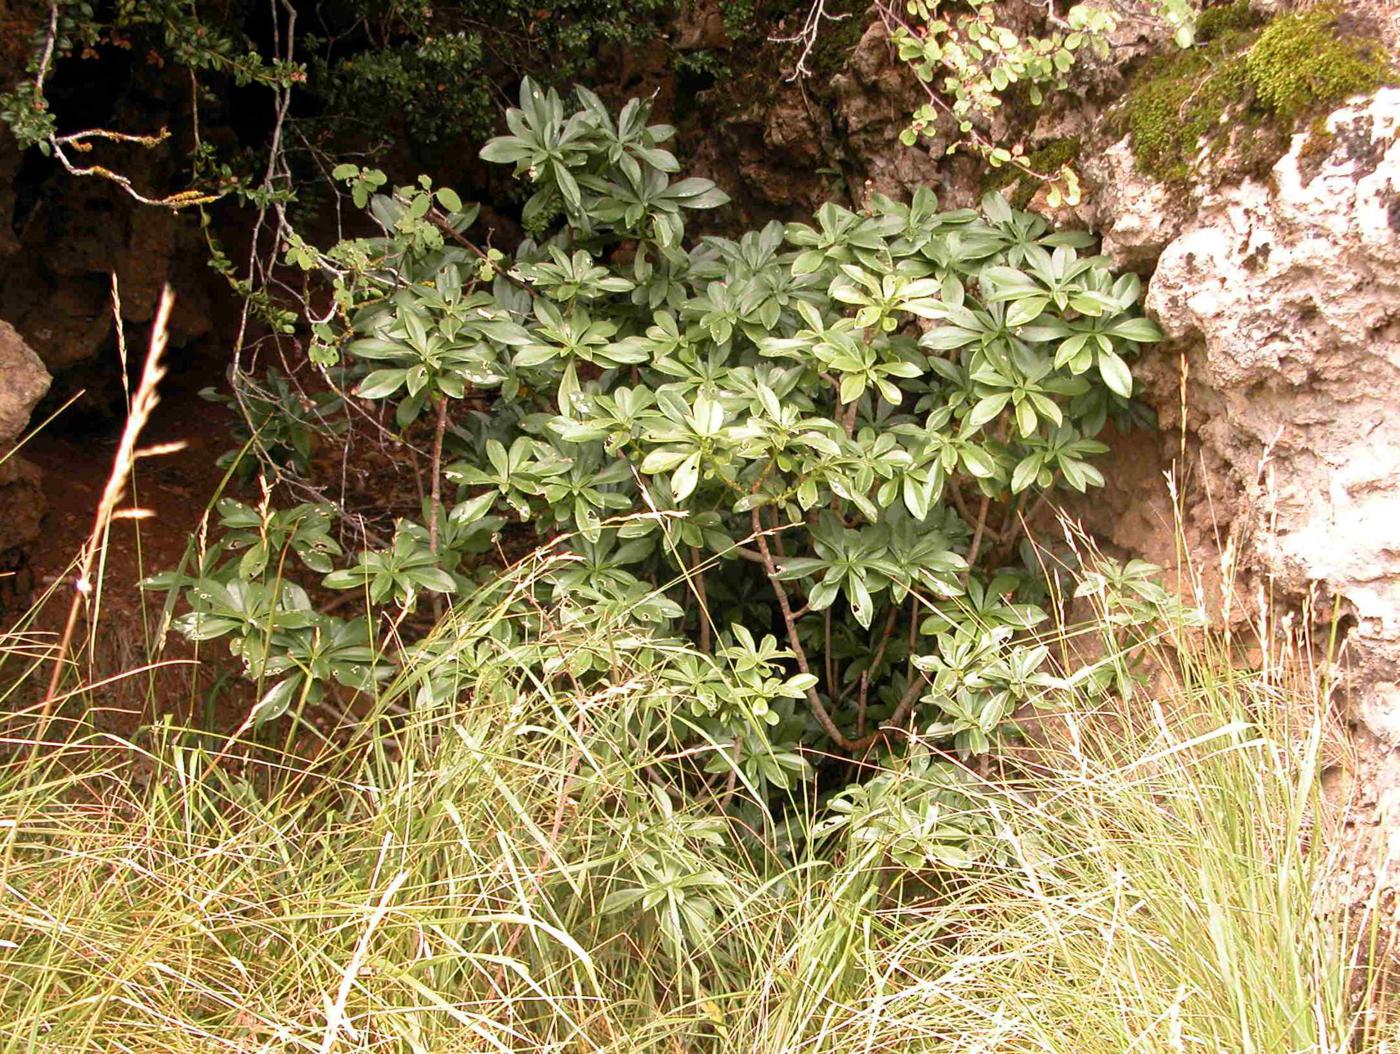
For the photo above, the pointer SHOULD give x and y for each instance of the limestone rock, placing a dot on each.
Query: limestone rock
(771, 151)
(786, 147)
(1285, 298)
(875, 97)
(1136, 215)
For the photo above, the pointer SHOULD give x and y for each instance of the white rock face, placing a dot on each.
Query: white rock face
(1286, 299)
(1136, 216)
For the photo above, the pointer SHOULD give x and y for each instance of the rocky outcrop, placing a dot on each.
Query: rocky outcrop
(23, 382)
(1280, 299)
(1137, 217)
(1281, 305)
(874, 95)
(783, 147)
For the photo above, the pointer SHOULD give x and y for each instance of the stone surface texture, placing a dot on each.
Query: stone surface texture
(23, 382)
(1281, 304)
(1280, 300)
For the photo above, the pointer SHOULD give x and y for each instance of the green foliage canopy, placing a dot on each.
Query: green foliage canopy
(813, 449)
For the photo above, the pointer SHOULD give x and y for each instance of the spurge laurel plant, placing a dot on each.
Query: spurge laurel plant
(811, 451)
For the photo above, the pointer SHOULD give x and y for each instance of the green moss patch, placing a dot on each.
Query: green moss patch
(1304, 61)
(1246, 85)
(1215, 22)
(1048, 159)
(839, 39)
(1180, 98)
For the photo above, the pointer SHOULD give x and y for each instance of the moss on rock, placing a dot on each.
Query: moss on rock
(1180, 98)
(1215, 22)
(1048, 159)
(1313, 59)
(836, 41)
(1244, 87)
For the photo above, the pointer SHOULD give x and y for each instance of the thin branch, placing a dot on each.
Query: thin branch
(913, 631)
(698, 578)
(807, 36)
(1019, 525)
(978, 532)
(440, 220)
(959, 503)
(731, 782)
(79, 141)
(879, 657)
(906, 704)
(800, 653)
(439, 430)
(282, 104)
(828, 660)
(49, 39)
(747, 554)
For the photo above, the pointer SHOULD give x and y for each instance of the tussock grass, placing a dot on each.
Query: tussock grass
(440, 881)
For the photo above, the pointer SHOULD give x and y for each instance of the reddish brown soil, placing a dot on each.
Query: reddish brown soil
(176, 488)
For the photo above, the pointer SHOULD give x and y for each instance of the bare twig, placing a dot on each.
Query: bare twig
(282, 104)
(959, 502)
(180, 200)
(807, 36)
(47, 57)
